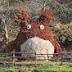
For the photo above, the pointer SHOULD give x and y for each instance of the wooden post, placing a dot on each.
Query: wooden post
(13, 57)
(62, 59)
(35, 60)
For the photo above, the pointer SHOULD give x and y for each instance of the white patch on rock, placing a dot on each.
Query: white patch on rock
(38, 46)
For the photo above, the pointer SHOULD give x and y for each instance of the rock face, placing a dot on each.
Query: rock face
(38, 46)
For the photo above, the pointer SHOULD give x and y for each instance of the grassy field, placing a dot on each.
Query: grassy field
(50, 67)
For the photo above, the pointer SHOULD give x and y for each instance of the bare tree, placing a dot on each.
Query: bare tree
(5, 26)
(4, 16)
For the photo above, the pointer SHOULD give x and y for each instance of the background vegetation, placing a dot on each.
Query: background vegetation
(61, 27)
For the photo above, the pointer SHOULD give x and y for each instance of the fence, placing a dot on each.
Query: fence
(66, 56)
(11, 59)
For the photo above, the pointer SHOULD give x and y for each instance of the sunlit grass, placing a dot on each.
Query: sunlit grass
(40, 68)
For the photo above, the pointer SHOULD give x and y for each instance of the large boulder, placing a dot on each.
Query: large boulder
(34, 46)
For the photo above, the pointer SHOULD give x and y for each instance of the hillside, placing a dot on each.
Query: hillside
(60, 27)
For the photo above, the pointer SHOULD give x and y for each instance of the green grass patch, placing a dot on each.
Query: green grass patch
(55, 67)
(40, 68)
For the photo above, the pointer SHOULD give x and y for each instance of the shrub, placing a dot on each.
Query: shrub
(63, 33)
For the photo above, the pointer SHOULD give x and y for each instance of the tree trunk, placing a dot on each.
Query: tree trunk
(6, 32)
(5, 26)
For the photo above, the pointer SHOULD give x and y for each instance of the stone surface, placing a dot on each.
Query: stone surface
(38, 46)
